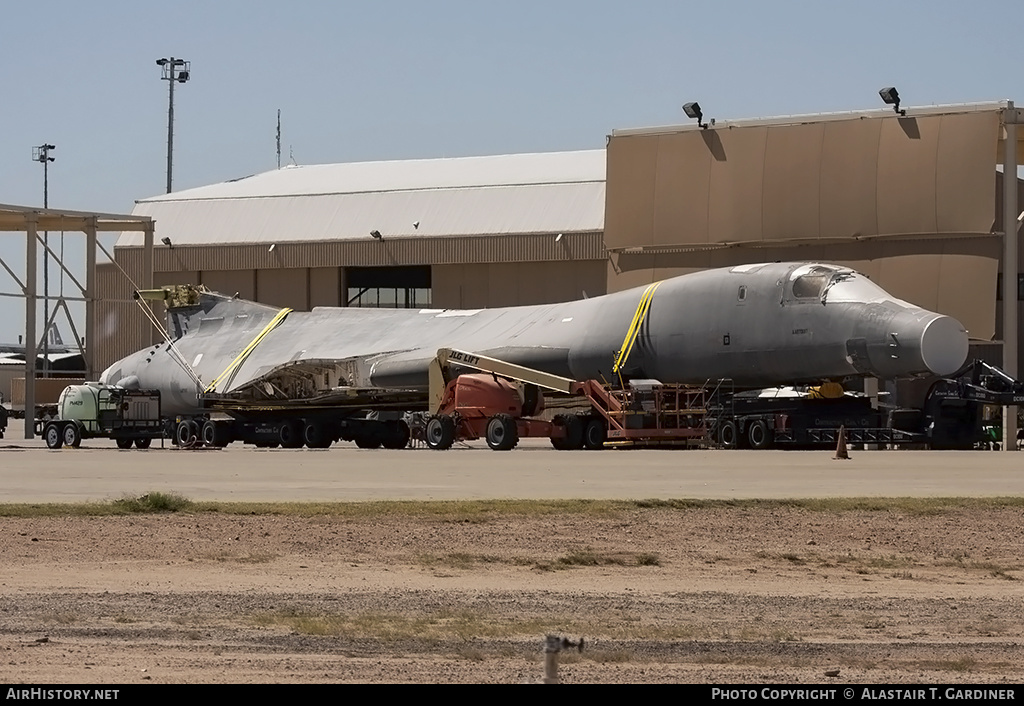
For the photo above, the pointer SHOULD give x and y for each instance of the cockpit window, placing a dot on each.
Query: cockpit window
(812, 284)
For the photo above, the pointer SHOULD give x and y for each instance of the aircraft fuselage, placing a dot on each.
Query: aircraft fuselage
(759, 325)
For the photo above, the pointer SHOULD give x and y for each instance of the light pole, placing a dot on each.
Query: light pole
(174, 71)
(42, 154)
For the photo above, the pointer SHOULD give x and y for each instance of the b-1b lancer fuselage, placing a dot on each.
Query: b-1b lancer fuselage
(758, 325)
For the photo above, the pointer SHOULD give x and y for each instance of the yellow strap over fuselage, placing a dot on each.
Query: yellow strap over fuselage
(634, 327)
(248, 349)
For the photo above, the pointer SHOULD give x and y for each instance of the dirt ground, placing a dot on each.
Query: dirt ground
(704, 595)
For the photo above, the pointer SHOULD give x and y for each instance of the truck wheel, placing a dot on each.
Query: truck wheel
(758, 435)
(728, 436)
(440, 432)
(397, 435)
(72, 435)
(143, 442)
(594, 434)
(573, 438)
(185, 433)
(53, 436)
(123, 443)
(502, 433)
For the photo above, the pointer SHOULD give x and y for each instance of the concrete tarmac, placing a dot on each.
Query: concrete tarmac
(99, 471)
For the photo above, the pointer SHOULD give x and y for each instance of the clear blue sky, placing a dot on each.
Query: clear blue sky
(394, 79)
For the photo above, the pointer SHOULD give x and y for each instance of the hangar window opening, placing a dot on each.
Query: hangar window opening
(389, 287)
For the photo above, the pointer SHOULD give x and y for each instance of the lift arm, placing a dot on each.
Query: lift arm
(446, 357)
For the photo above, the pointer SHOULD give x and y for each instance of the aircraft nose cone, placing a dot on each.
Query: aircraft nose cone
(943, 345)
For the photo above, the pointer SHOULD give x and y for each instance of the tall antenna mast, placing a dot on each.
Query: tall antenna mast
(278, 138)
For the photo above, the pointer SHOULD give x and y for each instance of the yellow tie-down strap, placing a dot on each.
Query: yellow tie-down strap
(248, 349)
(634, 326)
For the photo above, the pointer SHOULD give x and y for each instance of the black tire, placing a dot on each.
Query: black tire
(440, 432)
(54, 436)
(397, 435)
(728, 435)
(72, 435)
(594, 434)
(143, 442)
(123, 443)
(315, 436)
(758, 435)
(502, 433)
(216, 434)
(209, 432)
(573, 427)
(368, 441)
(290, 435)
(185, 433)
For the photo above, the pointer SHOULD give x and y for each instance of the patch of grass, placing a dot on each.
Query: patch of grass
(588, 557)
(473, 511)
(154, 502)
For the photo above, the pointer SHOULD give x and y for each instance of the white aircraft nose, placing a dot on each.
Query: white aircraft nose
(944, 345)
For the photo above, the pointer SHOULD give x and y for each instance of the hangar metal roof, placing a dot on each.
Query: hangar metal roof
(466, 196)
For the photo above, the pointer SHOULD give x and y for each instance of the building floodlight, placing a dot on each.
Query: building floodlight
(166, 241)
(693, 110)
(376, 234)
(890, 96)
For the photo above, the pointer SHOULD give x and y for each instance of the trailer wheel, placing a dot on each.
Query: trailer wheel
(143, 442)
(397, 435)
(502, 433)
(290, 435)
(758, 435)
(53, 436)
(594, 434)
(72, 435)
(315, 436)
(216, 434)
(368, 441)
(440, 432)
(728, 436)
(123, 443)
(573, 438)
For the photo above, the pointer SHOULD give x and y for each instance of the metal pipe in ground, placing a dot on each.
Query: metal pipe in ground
(553, 646)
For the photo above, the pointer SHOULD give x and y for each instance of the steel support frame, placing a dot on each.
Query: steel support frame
(1010, 268)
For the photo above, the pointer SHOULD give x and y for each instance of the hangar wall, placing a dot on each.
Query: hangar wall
(906, 200)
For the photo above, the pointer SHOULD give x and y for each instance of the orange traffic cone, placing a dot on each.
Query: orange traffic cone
(841, 452)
